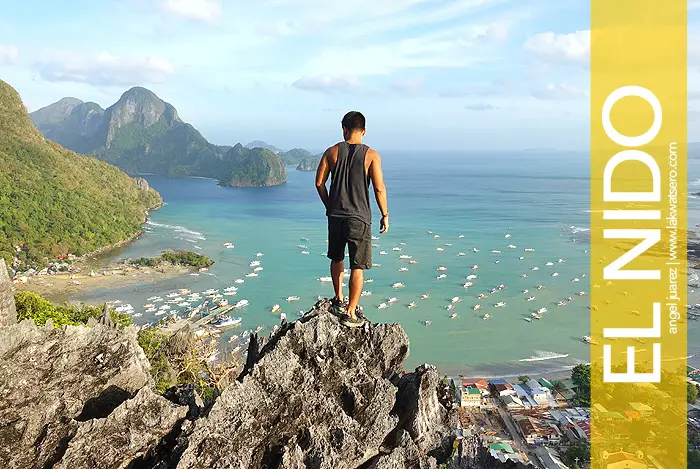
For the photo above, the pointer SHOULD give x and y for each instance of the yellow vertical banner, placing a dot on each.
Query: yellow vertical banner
(638, 233)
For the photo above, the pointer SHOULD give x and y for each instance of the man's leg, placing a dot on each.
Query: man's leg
(357, 282)
(360, 247)
(337, 271)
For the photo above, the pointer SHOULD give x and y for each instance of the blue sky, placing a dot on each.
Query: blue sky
(443, 74)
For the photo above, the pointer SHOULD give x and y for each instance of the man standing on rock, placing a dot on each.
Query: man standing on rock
(352, 165)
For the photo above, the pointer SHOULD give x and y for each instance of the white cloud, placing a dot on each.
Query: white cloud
(105, 69)
(480, 107)
(329, 84)
(198, 10)
(557, 92)
(9, 55)
(572, 47)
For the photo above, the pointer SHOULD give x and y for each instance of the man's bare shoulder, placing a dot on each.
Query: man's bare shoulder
(331, 151)
(373, 154)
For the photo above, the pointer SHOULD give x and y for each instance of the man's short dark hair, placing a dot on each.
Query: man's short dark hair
(353, 121)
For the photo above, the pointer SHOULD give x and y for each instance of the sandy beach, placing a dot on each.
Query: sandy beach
(62, 287)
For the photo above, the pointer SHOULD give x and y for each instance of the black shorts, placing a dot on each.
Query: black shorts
(358, 237)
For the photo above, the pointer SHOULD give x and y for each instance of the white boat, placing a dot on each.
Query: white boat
(403, 269)
(302, 246)
(325, 279)
(453, 315)
(589, 340)
(404, 256)
(259, 329)
(229, 245)
(511, 246)
(440, 249)
(413, 262)
(460, 236)
(523, 276)
(476, 307)
(450, 307)
(258, 269)
(292, 298)
(482, 296)
(369, 280)
(560, 261)
(507, 235)
(260, 254)
(486, 316)
(375, 237)
(398, 285)
(424, 297)
(497, 262)
(493, 290)
(402, 244)
(461, 254)
(442, 268)
(475, 250)
(211, 291)
(436, 236)
(471, 277)
(575, 280)
(305, 252)
(383, 253)
(251, 275)
(137, 315)
(426, 323)
(304, 239)
(540, 287)
(531, 298)
(412, 305)
(241, 304)
(149, 305)
(203, 269)
(467, 284)
(153, 298)
(159, 313)
(275, 308)
(376, 265)
(561, 303)
(164, 307)
(151, 310)
(521, 258)
(172, 295)
(474, 267)
(393, 299)
(227, 289)
(255, 263)
(366, 293)
(225, 321)
(239, 281)
(495, 251)
(535, 268)
(382, 306)
(396, 249)
(124, 308)
(541, 310)
(184, 304)
(500, 304)
(555, 274)
(581, 293)
(374, 245)
(528, 319)
(456, 299)
(529, 250)
(535, 316)
(448, 244)
(232, 339)
(441, 276)
(549, 264)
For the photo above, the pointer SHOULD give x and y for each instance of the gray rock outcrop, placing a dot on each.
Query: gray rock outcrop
(51, 379)
(325, 396)
(8, 314)
(142, 184)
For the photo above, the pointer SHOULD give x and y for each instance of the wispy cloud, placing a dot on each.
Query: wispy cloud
(9, 55)
(105, 69)
(480, 107)
(329, 84)
(198, 10)
(572, 47)
(557, 92)
(409, 86)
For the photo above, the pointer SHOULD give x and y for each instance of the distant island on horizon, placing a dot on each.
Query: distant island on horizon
(142, 134)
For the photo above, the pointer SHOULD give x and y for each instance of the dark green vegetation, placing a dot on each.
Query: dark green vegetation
(32, 306)
(295, 155)
(581, 376)
(577, 455)
(54, 201)
(142, 134)
(692, 393)
(184, 258)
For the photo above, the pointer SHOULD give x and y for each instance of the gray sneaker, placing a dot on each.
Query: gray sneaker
(339, 307)
(352, 322)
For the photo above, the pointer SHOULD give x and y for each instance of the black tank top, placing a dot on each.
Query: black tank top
(349, 195)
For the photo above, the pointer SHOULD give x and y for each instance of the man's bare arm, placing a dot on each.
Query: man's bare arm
(322, 173)
(377, 176)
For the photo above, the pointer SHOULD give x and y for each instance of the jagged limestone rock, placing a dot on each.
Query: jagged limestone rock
(125, 435)
(321, 396)
(8, 314)
(52, 377)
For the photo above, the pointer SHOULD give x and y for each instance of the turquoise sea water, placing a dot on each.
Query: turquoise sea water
(540, 199)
